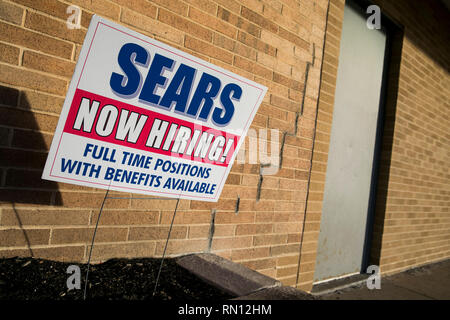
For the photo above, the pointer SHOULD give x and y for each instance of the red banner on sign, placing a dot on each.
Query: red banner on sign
(104, 119)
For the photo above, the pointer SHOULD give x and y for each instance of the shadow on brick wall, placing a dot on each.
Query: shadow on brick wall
(23, 150)
(428, 27)
(384, 161)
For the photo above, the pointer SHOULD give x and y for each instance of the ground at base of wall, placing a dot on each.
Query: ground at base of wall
(429, 282)
(115, 279)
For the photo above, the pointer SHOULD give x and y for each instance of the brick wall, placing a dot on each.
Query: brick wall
(412, 216)
(412, 220)
(270, 42)
(278, 43)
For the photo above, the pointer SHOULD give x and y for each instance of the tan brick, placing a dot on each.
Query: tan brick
(233, 179)
(284, 249)
(157, 204)
(249, 180)
(252, 67)
(238, 22)
(37, 61)
(186, 217)
(9, 54)
(307, 267)
(247, 229)
(33, 40)
(204, 5)
(278, 42)
(102, 252)
(231, 243)
(244, 51)
(230, 5)
(223, 42)
(42, 217)
(264, 216)
(199, 231)
(294, 238)
(258, 19)
(271, 272)
(53, 27)
(212, 22)
(184, 25)
(271, 182)
(174, 5)
(32, 80)
(291, 184)
(284, 103)
(65, 254)
(102, 7)
(256, 43)
(182, 246)
(272, 5)
(10, 12)
(84, 235)
(54, 8)
(228, 217)
(264, 240)
(276, 194)
(23, 237)
(202, 231)
(208, 49)
(293, 38)
(287, 260)
(152, 26)
(260, 264)
(255, 5)
(142, 6)
(156, 233)
(255, 253)
(281, 125)
(305, 286)
(286, 272)
(40, 101)
(281, 79)
(220, 205)
(305, 277)
(126, 217)
(287, 227)
(244, 193)
(89, 200)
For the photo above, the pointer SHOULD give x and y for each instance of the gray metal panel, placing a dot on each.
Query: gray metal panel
(352, 144)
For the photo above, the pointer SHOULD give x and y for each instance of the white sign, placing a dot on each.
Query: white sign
(143, 117)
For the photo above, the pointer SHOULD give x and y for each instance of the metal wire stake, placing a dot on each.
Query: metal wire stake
(92, 244)
(165, 247)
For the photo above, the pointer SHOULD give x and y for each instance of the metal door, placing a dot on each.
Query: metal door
(352, 144)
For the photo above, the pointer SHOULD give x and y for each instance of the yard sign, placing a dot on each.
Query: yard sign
(143, 117)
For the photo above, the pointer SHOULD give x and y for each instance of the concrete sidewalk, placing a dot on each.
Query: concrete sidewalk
(431, 282)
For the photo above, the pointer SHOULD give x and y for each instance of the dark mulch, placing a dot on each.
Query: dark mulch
(115, 279)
